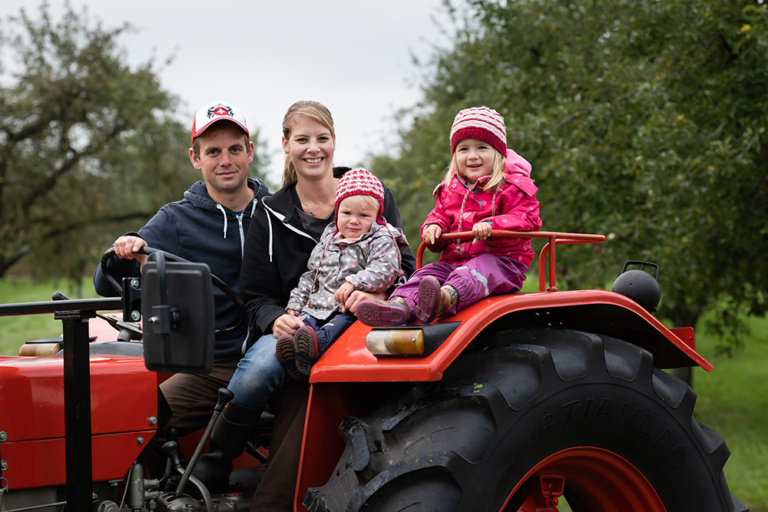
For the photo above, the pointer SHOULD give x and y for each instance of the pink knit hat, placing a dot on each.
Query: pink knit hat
(480, 123)
(359, 182)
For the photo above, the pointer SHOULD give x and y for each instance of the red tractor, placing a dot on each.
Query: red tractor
(520, 402)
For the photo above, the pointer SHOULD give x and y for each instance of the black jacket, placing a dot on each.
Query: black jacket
(277, 250)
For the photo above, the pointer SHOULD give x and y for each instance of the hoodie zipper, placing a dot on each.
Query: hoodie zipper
(242, 233)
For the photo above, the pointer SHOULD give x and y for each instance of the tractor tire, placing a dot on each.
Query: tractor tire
(534, 416)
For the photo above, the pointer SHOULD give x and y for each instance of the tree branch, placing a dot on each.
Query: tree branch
(101, 220)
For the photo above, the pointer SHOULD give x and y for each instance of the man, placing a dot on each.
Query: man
(207, 226)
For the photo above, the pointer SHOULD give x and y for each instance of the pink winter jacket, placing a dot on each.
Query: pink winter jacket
(516, 208)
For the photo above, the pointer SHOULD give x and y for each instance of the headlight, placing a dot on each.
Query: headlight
(408, 340)
(403, 342)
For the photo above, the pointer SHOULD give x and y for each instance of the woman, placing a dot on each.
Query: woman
(282, 234)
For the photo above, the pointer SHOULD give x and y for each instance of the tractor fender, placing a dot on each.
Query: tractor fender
(597, 311)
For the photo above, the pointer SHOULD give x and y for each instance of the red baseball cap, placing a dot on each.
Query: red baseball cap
(217, 111)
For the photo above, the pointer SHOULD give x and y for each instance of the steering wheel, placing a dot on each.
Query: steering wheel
(215, 280)
(127, 330)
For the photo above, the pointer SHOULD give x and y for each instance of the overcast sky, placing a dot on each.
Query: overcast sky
(355, 56)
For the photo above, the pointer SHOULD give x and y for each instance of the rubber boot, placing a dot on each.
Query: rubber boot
(434, 300)
(383, 313)
(233, 429)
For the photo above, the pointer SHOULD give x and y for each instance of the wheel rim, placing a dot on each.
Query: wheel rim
(595, 478)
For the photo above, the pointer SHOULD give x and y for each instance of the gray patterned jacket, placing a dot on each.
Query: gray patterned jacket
(371, 264)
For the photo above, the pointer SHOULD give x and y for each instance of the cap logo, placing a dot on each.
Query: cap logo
(220, 110)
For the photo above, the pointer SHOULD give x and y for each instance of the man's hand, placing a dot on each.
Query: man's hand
(127, 247)
(431, 233)
(482, 230)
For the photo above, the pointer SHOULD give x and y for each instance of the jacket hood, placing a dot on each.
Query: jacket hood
(198, 194)
(517, 164)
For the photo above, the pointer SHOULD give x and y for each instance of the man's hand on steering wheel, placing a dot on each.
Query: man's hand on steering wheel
(128, 247)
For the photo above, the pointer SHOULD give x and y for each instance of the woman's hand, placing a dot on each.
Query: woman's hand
(482, 230)
(431, 233)
(356, 297)
(286, 325)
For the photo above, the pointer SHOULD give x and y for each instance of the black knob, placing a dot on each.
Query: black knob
(171, 450)
(225, 395)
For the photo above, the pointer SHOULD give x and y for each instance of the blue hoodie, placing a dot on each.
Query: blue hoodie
(199, 229)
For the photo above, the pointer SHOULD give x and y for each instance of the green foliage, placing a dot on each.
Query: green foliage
(90, 147)
(644, 121)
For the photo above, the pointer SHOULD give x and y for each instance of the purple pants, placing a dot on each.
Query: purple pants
(483, 275)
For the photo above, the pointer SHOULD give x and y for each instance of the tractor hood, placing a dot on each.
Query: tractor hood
(123, 416)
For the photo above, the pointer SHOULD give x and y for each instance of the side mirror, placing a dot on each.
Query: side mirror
(178, 316)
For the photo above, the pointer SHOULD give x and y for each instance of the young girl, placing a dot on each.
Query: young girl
(487, 187)
(359, 251)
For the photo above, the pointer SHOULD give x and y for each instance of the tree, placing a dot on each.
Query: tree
(89, 147)
(644, 120)
(78, 127)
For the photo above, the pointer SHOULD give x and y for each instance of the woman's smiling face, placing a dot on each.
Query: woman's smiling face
(310, 147)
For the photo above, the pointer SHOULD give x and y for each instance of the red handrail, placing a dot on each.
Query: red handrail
(554, 238)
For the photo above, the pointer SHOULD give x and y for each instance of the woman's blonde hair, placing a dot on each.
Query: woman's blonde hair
(313, 110)
(497, 175)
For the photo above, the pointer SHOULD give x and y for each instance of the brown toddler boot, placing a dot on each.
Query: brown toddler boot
(285, 352)
(434, 300)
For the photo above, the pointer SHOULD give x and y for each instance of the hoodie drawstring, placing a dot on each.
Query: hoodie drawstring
(269, 223)
(224, 213)
(464, 202)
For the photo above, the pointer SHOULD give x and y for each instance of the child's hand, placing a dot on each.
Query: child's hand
(482, 230)
(292, 312)
(342, 294)
(431, 233)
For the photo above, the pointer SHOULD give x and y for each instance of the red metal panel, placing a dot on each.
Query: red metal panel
(322, 446)
(42, 463)
(123, 396)
(686, 335)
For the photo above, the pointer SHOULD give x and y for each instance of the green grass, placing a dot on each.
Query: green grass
(732, 399)
(14, 331)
